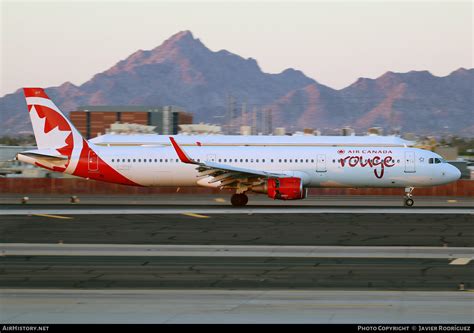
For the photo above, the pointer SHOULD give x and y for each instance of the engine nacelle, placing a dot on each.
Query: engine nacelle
(288, 188)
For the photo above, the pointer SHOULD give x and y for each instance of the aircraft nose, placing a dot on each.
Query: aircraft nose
(454, 173)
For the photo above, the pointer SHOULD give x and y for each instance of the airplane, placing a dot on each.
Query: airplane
(280, 172)
(251, 140)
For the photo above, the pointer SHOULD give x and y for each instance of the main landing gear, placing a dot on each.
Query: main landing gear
(408, 198)
(239, 199)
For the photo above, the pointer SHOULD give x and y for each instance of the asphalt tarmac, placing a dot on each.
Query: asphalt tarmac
(38, 306)
(115, 272)
(452, 230)
(236, 263)
(223, 200)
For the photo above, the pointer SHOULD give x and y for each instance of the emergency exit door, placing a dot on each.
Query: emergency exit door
(410, 162)
(93, 161)
(321, 163)
(211, 158)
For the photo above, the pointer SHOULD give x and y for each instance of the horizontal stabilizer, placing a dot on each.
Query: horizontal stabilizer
(44, 153)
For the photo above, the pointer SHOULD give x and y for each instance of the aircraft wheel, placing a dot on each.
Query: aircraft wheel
(409, 202)
(239, 200)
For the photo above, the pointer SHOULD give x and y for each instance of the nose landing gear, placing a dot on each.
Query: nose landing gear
(239, 199)
(408, 198)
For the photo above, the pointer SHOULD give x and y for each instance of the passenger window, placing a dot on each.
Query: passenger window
(156, 160)
(128, 160)
(430, 161)
(112, 160)
(312, 161)
(263, 161)
(134, 160)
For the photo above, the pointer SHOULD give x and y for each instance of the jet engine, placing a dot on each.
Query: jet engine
(288, 188)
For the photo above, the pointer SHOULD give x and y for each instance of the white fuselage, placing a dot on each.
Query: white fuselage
(316, 166)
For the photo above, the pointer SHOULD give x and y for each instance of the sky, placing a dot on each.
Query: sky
(46, 43)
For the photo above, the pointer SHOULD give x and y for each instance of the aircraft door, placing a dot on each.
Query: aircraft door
(410, 162)
(211, 158)
(321, 163)
(93, 161)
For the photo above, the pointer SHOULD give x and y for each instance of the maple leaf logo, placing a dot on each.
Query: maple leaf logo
(52, 138)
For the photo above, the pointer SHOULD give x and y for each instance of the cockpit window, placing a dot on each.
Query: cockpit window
(436, 160)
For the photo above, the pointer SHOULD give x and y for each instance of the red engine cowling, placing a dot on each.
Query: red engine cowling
(290, 188)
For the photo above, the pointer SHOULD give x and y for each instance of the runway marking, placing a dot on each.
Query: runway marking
(54, 216)
(460, 261)
(221, 200)
(197, 215)
(452, 201)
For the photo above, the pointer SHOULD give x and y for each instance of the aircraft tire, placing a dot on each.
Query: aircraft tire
(239, 200)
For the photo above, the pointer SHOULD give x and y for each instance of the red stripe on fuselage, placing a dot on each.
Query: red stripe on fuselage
(104, 171)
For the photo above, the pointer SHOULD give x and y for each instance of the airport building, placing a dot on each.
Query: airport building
(92, 121)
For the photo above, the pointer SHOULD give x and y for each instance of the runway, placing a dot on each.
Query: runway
(356, 229)
(196, 260)
(233, 306)
(171, 272)
(230, 211)
(219, 204)
(222, 200)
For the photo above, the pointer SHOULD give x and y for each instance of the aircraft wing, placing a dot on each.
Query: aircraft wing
(224, 173)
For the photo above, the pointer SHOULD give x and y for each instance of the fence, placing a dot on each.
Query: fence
(82, 186)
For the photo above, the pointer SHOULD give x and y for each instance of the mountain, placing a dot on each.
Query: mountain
(184, 72)
(416, 101)
(181, 71)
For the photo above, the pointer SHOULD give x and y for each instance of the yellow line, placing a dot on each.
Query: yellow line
(196, 215)
(54, 216)
(452, 201)
(460, 261)
(219, 200)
